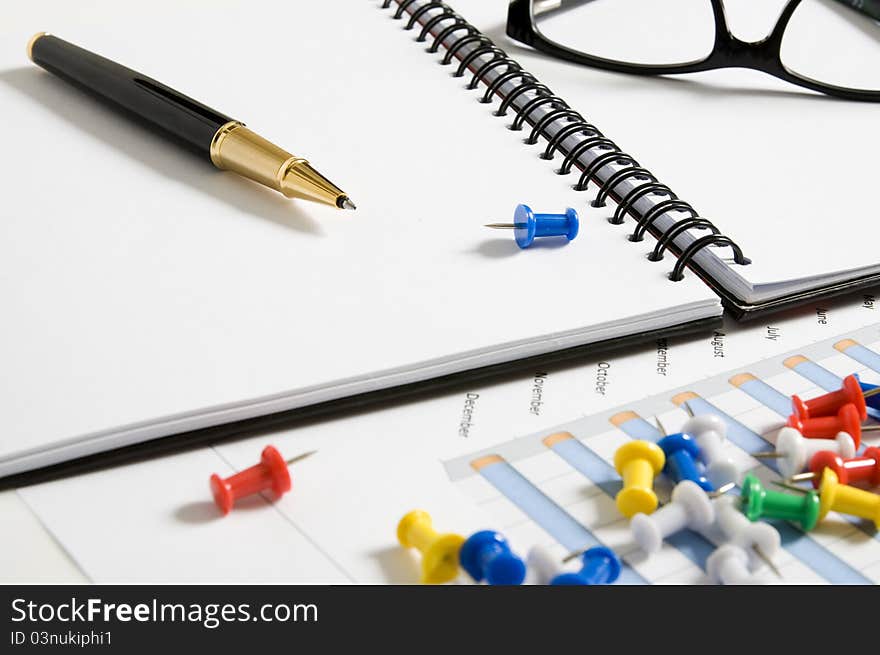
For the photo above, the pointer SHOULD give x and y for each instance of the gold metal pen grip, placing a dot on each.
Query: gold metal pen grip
(238, 149)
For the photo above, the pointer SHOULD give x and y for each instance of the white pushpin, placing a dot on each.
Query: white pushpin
(709, 431)
(728, 565)
(542, 565)
(794, 451)
(690, 507)
(760, 540)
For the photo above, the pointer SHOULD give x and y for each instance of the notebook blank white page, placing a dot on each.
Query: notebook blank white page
(145, 292)
(784, 171)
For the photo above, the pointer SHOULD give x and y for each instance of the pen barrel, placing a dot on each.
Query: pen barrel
(159, 107)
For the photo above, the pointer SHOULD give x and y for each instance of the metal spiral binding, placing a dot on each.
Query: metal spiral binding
(632, 172)
(615, 156)
(526, 110)
(627, 205)
(474, 54)
(402, 8)
(547, 119)
(569, 123)
(436, 20)
(694, 222)
(575, 127)
(501, 80)
(493, 63)
(599, 142)
(644, 223)
(421, 11)
(476, 37)
(688, 253)
(450, 29)
(540, 90)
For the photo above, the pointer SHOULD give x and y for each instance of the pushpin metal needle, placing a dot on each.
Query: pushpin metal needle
(769, 562)
(768, 455)
(574, 555)
(790, 487)
(720, 491)
(872, 392)
(504, 226)
(299, 458)
(660, 425)
(686, 406)
(802, 477)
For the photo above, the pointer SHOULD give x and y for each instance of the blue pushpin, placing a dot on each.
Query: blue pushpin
(873, 400)
(601, 566)
(682, 453)
(486, 555)
(528, 226)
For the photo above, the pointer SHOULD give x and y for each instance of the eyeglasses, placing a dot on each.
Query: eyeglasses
(830, 46)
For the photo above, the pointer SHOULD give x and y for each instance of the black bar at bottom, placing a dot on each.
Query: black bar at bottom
(290, 619)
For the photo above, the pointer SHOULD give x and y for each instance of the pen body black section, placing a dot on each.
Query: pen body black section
(156, 105)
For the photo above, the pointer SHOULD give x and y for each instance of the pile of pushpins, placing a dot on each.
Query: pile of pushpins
(820, 444)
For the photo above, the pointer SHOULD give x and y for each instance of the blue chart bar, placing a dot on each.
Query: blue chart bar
(858, 352)
(581, 458)
(636, 427)
(816, 374)
(802, 546)
(558, 523)
(763, 393)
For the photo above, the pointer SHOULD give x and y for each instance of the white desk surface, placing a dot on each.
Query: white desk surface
(28, 553)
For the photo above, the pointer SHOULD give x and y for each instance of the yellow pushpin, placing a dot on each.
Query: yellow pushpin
(439, 551)
(638, 462)
(842, 498)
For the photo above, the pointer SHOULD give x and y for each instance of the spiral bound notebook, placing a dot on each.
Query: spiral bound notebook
(737, 165)
(154, 302)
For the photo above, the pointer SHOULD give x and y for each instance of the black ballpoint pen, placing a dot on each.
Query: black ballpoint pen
(226, 142)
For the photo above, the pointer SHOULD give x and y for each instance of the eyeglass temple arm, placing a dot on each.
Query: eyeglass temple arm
(868, 7)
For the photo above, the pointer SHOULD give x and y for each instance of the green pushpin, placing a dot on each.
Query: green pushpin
(758, 501)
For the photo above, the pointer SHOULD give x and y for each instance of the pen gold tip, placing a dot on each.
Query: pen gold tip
(345, 203)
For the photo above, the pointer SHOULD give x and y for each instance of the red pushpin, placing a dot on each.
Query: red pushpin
(829, 404)
(864, 469)
(826, 427)
(270, 473)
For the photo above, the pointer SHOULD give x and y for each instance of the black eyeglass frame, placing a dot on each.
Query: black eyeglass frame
(727, 52)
